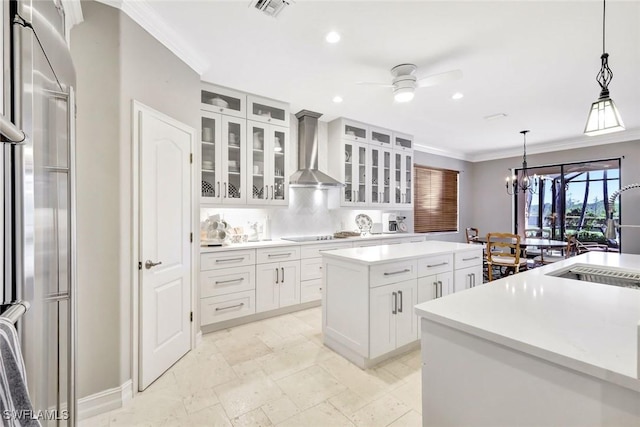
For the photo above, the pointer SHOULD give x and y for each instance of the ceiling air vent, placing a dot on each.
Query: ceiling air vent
(270, 7)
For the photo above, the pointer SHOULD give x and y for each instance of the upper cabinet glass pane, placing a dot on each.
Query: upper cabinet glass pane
(403, 142)
(268, 111)
(354, 131)
(223, 100)
(380, 137)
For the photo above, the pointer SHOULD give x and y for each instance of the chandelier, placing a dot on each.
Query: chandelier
(524, 182)
(603, 115)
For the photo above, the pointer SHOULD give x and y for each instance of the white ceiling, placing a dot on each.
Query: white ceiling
(532, 60)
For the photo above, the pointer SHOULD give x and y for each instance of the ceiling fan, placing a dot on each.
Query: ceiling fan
(405, 81)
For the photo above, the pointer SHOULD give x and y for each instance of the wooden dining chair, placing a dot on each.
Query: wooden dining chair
(503, 250)
(472, 234)
(572, 249)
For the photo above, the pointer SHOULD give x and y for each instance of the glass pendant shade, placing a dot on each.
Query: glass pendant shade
(603, 118)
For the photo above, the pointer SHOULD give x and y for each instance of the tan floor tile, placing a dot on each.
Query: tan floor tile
(255, 418)
(349, 402)
(199, 400)
(310, 386)
(250, 367)
(281, 409)
(322, 415)
(148, 409)
(410, 419)
(247, 393)
(101, 420)
(240, 348)
(380, 412)
(287, 325)
(292, 359)
(398, 368)
(365, 384)
(410, 393)
(213, 416)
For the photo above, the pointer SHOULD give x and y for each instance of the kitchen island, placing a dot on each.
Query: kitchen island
(535, 349)
(368, 294)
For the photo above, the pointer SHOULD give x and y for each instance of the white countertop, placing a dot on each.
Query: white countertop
(589, 327)
(280, 242)
(386, 253)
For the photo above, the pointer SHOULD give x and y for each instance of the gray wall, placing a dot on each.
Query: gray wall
(465, 189)
(492, 207)
(116, 62)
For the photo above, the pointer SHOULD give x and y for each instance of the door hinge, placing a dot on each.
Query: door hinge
(191, 237)
(139, 265)
(190, 157)
(191, 316)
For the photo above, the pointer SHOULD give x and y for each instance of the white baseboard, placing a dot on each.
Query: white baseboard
(105, 401)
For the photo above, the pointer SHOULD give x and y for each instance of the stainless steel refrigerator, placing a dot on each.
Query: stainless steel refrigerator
(38, 80)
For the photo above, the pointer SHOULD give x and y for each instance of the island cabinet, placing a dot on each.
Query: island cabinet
(278, 278)
(368, 295)
(311, 269)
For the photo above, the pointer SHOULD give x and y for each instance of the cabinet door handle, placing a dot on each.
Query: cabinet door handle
(266, 192)
(400, 294)
(282, 270)
(469, 259)
(473, 276)
(470, 283)
(440, 283)
(225, 190)
(272, 192)
(406, 270)
(437, 265)
(279, 255)
(277, 277)
(395, 303)
(436, 285)
(231, 306)
(222, 282)
(218, 188)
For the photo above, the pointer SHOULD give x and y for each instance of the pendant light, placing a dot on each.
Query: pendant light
(603, 116)
(525, 182)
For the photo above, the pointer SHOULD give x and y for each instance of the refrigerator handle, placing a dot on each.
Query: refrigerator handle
(10, 133)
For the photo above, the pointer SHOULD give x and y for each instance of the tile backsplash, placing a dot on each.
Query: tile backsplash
(310, 212)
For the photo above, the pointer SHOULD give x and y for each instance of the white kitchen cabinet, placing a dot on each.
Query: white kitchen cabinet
(435, 286)
(268, 111)
(368, 242)
(277, 285)
(223, 159)
(217, 99)
(311, 269)
(354, 174)
(467, 278)
(402, 142)
(393, 323)
(350, 130)
(403, 178)
(380, 137)
(380, 177)
(268, 164)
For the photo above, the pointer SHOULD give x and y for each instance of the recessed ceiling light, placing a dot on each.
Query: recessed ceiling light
(332, 37)
(337, 99)
(457, 95)
(495, 116)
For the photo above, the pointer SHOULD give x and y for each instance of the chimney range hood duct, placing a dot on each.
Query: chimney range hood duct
(308, 174)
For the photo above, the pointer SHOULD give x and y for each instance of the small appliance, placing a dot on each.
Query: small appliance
(389, 223)
(402, 226)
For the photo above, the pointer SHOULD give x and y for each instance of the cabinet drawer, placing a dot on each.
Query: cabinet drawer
(227, 281)
(367, 243)
(212, 261)
(311, 290)
(311, 268)
(313, 251)
(468, 258)
(285, 253)
(225, 307)
(435, 264)
(392, 272)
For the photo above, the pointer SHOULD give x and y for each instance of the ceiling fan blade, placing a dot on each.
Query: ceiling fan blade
(374, 84)
(436, 79)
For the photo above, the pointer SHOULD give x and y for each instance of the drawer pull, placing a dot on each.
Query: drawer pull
(437, 265)
(279, 255)
(222, 282)
(231, 306)
(469, 259)
(230, 259)
(406, 270)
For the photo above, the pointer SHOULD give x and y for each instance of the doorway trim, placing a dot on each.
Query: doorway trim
(136, 108)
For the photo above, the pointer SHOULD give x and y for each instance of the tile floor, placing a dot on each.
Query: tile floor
(275, 372)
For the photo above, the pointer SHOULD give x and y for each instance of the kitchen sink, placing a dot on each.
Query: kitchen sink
(600, 274)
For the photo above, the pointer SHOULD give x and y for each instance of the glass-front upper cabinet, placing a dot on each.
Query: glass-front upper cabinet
(222, 158)
(403, 177)
(402, 142)
(268, 164)
(217, 99)
(354, 131)
(380, 176)
(268, 111)
(355, 174)
(380, 137)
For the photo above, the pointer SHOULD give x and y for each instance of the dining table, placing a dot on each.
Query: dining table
(529, 242)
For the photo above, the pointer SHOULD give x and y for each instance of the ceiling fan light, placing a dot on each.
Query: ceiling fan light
(603, 118)
(404, 94)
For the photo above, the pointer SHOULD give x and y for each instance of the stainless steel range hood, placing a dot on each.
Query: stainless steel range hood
(308, 174)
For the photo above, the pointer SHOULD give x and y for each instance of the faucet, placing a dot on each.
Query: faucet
(610, 232)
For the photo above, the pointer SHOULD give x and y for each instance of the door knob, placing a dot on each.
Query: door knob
(148, 264)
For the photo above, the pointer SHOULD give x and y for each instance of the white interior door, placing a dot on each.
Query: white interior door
(165, 243)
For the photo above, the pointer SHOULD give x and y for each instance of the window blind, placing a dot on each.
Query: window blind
(436, 199)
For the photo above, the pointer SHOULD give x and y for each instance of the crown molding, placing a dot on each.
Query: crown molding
(144, 15)
(441, 152)
(578, 142)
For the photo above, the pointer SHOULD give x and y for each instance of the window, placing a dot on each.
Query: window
(435, 205)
